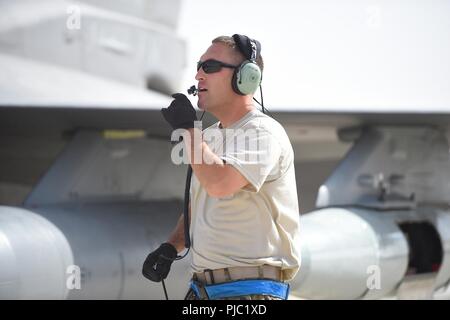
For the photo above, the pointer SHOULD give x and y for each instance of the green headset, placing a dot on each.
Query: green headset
(247, 76)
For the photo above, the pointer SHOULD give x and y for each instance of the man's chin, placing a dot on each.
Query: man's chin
(201, 106)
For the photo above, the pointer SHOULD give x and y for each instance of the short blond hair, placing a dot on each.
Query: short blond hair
(229, 42)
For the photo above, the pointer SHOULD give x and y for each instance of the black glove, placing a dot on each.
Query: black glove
(180, 113)
(157, 265)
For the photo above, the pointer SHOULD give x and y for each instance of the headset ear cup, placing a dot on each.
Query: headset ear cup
(248, 78)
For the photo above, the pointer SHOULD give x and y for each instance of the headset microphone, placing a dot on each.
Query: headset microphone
(192, 90)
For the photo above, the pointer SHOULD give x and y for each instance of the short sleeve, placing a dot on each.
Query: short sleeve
(255, 153)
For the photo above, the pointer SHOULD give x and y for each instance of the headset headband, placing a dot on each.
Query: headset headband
(250, 48)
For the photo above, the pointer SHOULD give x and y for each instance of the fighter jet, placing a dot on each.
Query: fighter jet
(88, 188)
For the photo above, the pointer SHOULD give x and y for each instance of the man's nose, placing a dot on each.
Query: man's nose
(200, 75)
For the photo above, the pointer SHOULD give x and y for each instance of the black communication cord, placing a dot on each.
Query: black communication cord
(264, 109)
(165, 290)
(187, 238)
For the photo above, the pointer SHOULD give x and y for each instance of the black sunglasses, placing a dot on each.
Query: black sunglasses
(211, 66)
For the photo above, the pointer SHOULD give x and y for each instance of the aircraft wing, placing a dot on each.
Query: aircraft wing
(38, 96)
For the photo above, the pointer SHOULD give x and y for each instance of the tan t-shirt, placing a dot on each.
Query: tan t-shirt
(259, 224)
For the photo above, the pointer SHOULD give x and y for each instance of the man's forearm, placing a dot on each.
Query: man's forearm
(176, 238)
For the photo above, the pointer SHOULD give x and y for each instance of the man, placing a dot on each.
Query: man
(244, 218)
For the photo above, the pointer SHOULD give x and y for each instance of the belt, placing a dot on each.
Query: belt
(240, 288)
(239, 273)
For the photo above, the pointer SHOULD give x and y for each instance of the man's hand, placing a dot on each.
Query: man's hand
(180, 113)
(157, 265)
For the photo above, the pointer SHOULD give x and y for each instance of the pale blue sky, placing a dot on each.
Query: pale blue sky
(335, 54)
